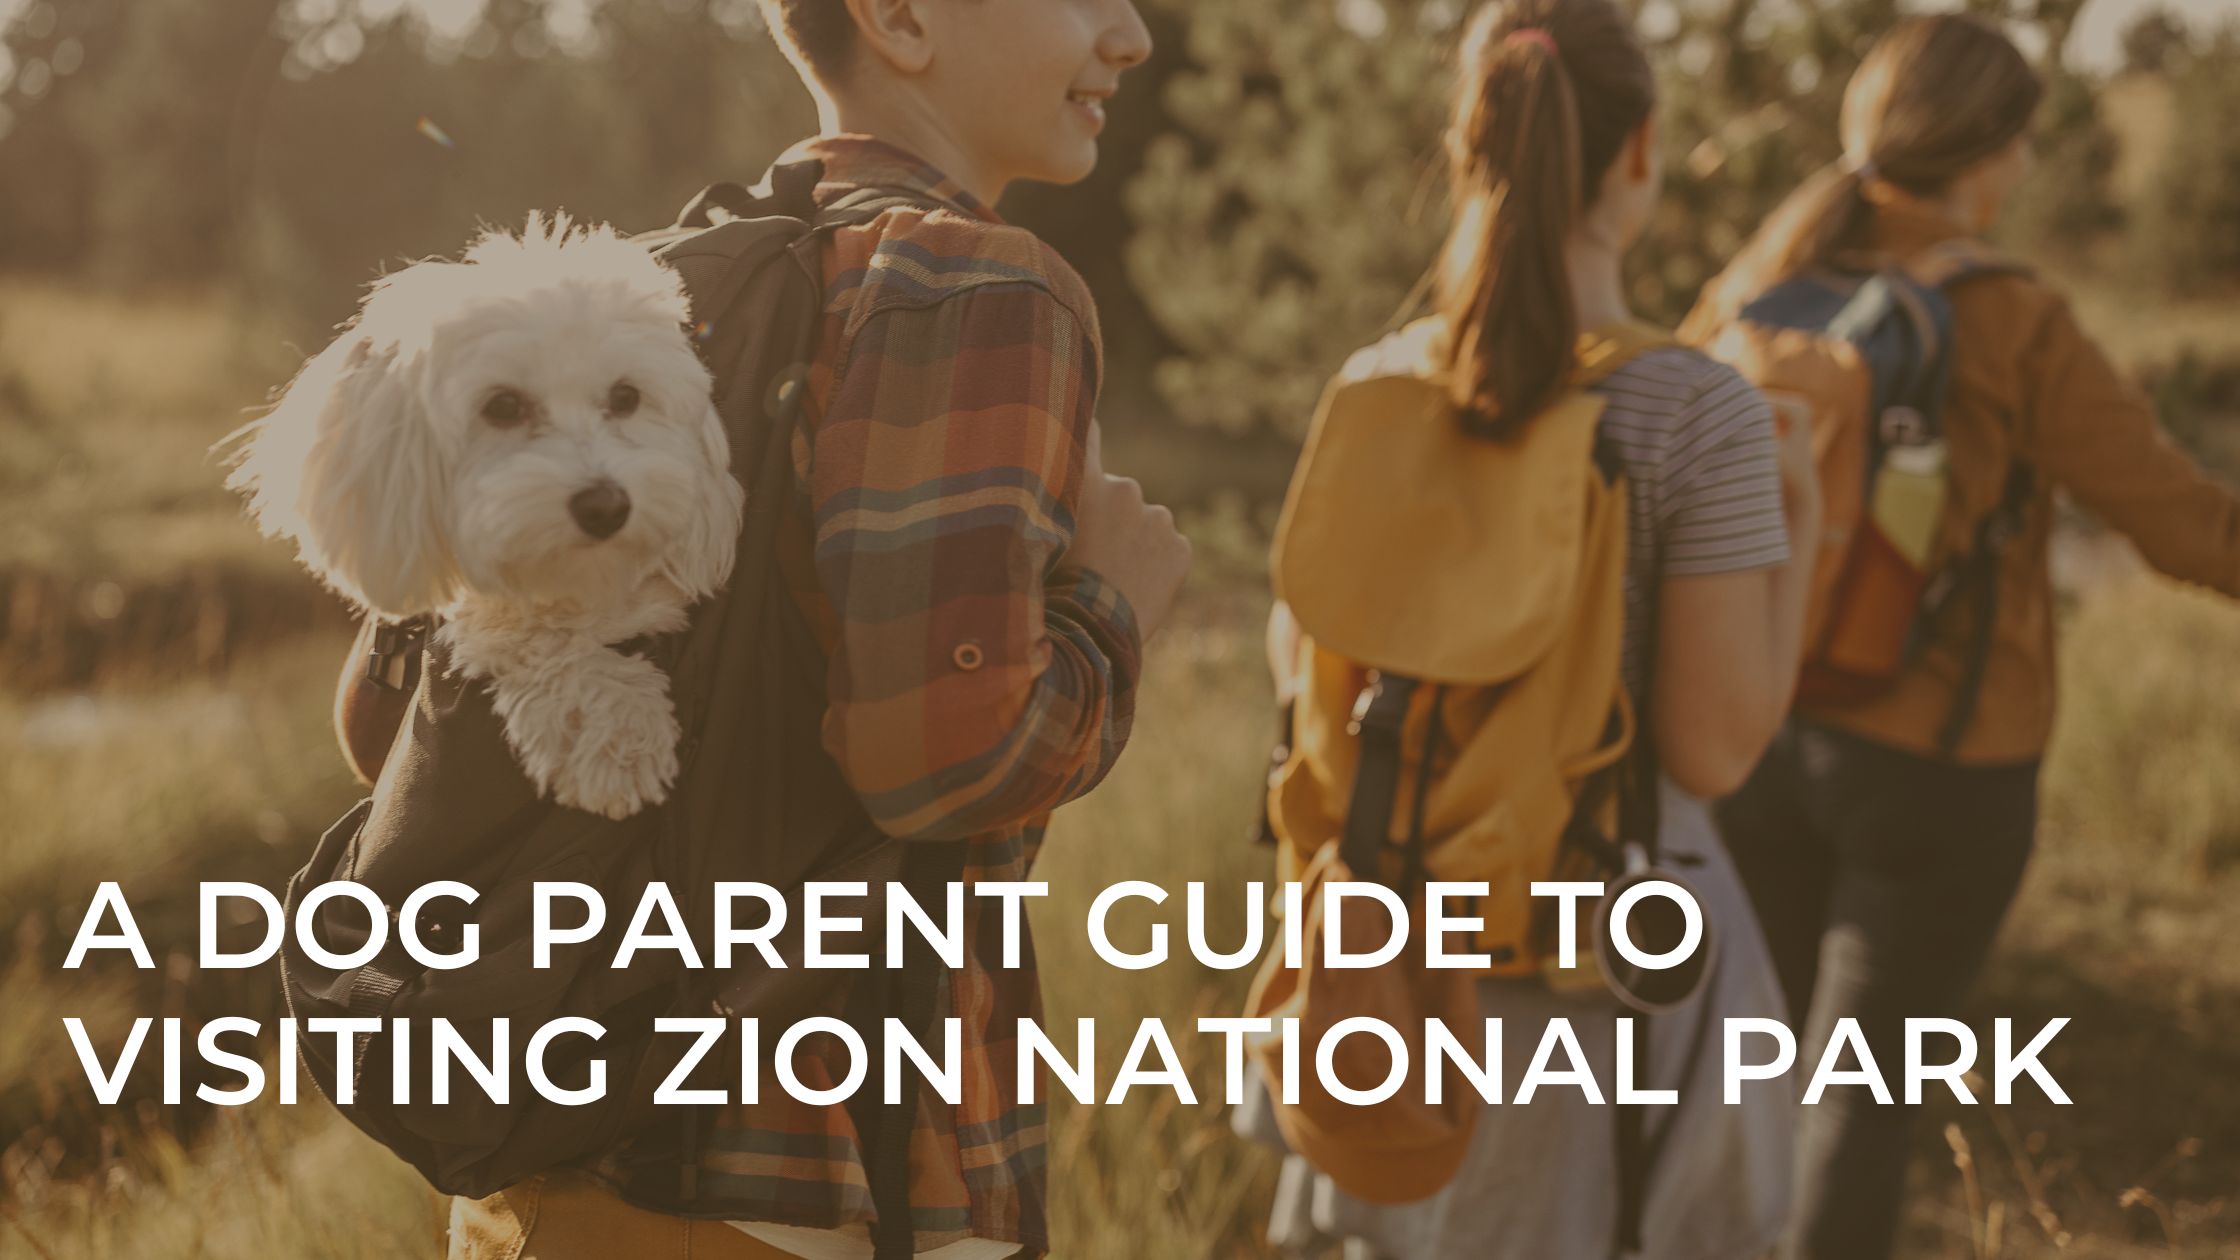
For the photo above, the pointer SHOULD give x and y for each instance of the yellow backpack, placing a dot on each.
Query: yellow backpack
(1460, 599)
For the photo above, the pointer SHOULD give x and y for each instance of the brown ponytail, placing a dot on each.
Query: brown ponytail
(1933, 97)
(1546, 94)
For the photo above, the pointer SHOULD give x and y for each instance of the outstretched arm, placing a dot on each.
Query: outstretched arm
(2091, 431)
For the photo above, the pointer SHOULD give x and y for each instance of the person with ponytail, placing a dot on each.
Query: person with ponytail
(1882, 840)
(1552, 149)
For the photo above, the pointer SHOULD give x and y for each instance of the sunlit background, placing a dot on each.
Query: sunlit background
(194, 192)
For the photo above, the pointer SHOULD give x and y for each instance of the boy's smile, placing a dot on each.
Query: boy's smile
(988, 91)
(1024, 84)
(1091, 105)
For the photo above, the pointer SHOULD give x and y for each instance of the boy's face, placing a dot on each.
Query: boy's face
(1023, 83)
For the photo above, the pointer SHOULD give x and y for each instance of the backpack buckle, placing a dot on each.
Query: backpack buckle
(1382, 706)
(1905, 426)
(2000, 529)
(393, 662)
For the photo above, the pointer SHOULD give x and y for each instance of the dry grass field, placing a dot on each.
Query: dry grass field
(163, 721)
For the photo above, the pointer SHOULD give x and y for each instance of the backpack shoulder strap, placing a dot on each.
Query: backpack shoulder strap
(789, 190)
(1633, 779)
(1959, 259)
(1601, 354)
(724, 237)
(868, 203)
(1604, 351)
(1937, 270)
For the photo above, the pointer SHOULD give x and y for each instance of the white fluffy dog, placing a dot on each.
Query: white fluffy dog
(521, 443)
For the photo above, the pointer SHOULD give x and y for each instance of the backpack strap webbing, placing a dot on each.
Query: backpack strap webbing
(1961, 258)
(1633, 780)
(872, 200)
(1640, 816)
(1634, 1153)
(1263, 829)
(1604, 351)
(1380, 719)
(1940, 268)
(910, 992)
(789, 190)
(1434, 730)
(1983, 563)
(1379, 716)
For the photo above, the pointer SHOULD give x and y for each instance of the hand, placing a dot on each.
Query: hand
(1129, 543)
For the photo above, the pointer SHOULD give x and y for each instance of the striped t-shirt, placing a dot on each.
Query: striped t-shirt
(1696, 442)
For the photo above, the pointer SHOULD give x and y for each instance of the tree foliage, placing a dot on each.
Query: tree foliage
(2151, 40)
(2188, 236)
(288, 148)
(1270, 195)
(1282, 218)
(1297, 204)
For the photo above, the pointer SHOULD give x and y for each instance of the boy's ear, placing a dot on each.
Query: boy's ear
(895, 31)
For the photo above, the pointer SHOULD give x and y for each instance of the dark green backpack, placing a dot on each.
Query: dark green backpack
(757, 799)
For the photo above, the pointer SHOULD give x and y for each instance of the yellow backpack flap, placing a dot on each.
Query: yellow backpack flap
(1492, 571)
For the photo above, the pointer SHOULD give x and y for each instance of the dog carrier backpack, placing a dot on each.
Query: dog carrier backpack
(757, 799)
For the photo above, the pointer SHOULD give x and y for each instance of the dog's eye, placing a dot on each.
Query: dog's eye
(622, 399)
(505, 409)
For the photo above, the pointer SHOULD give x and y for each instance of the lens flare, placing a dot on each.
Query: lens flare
(427, 127)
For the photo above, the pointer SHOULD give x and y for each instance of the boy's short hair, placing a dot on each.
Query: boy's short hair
(818, 35)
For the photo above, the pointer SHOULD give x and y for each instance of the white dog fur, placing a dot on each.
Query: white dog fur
(460, 447)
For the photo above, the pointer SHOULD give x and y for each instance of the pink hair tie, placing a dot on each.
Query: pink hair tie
(1533, 35)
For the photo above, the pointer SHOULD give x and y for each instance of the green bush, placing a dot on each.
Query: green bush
(2198, 399)
(2188, 237)
(2066, 203)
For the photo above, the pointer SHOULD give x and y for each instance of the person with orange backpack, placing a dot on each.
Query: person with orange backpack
(1950, 392)
(1538, 602)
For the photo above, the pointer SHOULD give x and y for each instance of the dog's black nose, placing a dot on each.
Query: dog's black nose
(600, 509)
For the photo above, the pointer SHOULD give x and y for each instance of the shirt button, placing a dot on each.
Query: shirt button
(968, 656)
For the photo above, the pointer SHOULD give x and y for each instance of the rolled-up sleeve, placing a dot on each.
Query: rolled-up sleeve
(976, 681)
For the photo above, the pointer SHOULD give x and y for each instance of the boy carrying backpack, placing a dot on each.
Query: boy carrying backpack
(931, 640)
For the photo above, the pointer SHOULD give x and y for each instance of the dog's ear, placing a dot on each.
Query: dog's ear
(705, 550)
(347, 465)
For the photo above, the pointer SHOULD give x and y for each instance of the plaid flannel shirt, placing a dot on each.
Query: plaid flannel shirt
(975, 684)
